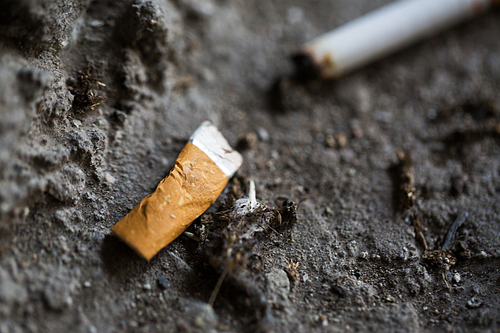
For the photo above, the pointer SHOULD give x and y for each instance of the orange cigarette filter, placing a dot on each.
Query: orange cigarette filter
(201, 172)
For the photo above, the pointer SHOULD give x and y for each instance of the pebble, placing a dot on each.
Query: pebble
(330, 141)
(162, 282)
(146, 286)
(474, 302)
(263, 134)
(390, 299)
(96, 23)
(456, 277)
(109, 178)
(341, 140)
(279, 286)
(87, 284)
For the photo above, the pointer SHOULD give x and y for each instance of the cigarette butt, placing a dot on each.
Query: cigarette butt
(201, 172)
(381, 32)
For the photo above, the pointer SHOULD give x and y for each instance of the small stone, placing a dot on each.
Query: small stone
(330, 141)
(87, 284)
(96, 23)
(474, 302)
(456, 278)
(162, 282)
(390, 299)
(278, 285)
(363, 255)
(146, 286)
(109, 178)
(263, 134)
(341, 140)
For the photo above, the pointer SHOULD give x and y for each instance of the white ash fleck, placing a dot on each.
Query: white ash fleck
(109, 178)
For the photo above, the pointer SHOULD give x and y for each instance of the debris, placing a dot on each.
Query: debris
(263, 134)
(419, 232)
(405, 170)
(109, 178)
(390, 299)
(461, 250)
(201, 172)
(292, 271)
(86, 99)
(447, 255)
(341, 140)
(231, 244)
(474, 302)
(450, 236)
(380, 33)
(440, 258)
(330, 141)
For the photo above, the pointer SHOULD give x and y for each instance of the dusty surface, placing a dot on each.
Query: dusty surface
(76, 156)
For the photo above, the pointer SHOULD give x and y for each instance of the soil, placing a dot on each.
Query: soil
(98, 98)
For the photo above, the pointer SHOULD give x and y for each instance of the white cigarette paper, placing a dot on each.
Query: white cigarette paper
(385, 30)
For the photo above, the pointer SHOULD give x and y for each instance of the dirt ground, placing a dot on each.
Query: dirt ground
(98, 98)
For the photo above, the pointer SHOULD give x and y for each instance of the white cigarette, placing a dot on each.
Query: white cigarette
(381, 32)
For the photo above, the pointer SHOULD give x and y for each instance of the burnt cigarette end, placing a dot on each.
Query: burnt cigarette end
(306, 69)
(201, 172)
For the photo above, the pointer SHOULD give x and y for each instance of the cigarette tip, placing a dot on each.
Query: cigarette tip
(305, 68)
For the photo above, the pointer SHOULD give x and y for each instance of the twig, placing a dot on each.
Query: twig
(211, 301)
(450, 236)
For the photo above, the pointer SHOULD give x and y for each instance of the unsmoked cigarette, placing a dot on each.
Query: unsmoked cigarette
(380, 33)
(201, 172)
